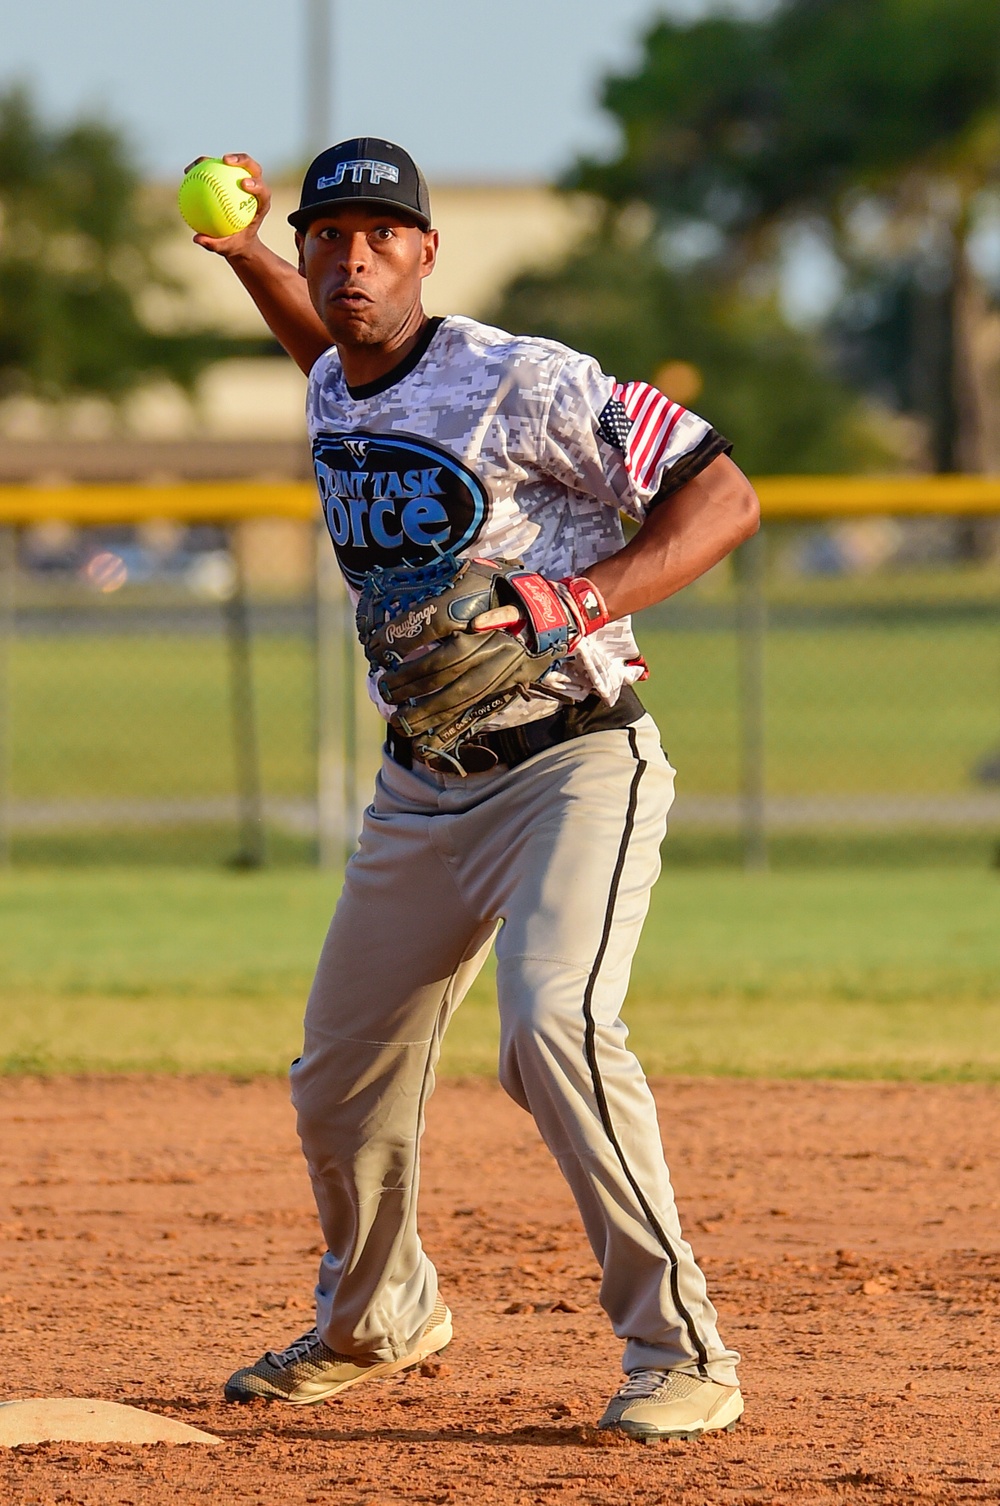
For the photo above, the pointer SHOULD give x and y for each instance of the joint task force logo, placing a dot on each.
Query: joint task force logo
(392, 500)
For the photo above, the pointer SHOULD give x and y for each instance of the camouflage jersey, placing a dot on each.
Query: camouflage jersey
(504, 447)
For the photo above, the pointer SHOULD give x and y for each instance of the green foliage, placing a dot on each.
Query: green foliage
(739, 128)
(765, 386)
(76, 251)
(735, 121)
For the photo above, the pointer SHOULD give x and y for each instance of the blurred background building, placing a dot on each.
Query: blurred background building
(490, 232)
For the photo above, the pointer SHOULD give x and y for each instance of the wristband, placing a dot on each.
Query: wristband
(586, 603)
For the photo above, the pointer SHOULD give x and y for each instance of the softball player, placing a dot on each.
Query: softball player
(523, 786)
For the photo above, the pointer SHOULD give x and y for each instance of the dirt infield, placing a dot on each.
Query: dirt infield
(156, 1233)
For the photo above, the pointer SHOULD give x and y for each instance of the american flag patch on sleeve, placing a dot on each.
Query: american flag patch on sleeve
(639, 420)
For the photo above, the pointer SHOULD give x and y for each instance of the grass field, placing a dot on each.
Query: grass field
(888, 687)
(850, 710)
(846, 972)
(142, 715)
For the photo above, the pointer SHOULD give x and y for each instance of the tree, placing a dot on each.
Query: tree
(875, 122)
(762, 384)
(77, 249)
(735, 121)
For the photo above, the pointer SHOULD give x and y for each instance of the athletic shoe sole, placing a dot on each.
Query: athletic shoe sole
(433, 1341)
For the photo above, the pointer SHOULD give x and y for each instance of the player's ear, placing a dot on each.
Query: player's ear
(300, 241)
(428, 253)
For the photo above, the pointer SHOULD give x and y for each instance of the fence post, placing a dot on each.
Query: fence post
(336, 710)
(349, 713)
(246, 756)
(337, 694)
(8, 571)
(328, 782)
(751, 631)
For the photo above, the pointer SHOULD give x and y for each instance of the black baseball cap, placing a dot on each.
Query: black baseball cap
(364, 170)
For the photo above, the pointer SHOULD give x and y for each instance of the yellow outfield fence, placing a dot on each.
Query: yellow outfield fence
(805, 497)
(169, 690)
(782, 498)
(185, 502)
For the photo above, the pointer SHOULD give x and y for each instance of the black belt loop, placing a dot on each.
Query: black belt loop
(515, 745)
(399, 748)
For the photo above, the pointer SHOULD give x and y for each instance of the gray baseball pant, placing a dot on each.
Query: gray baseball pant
(562, 851)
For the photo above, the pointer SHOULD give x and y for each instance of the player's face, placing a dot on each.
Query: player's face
(364, 269)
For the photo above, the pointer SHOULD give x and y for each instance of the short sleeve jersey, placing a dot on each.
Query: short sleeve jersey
(503, 447)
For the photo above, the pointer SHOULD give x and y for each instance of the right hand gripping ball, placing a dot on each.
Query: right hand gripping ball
(211, 200)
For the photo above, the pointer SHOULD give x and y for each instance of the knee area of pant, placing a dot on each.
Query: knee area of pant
(319, 1094)
(541, 998)
(342, 1113)
(542, 1023)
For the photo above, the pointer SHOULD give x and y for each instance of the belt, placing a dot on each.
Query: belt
(514, 745)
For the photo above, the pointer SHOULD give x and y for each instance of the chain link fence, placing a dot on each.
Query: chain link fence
(825, 708)
(190, 691)
(158, 703)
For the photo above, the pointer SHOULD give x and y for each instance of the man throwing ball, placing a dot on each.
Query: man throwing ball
(472, 482)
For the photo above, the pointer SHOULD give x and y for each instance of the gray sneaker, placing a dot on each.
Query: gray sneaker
(307, 1371)
(654, 1404)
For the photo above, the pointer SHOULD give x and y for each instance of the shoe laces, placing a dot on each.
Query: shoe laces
(642, 1383)
(301, 1349)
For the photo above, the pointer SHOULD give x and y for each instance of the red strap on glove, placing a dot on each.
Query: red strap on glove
(570, 608)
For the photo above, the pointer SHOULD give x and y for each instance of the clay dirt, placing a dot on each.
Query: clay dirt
(156, 1233)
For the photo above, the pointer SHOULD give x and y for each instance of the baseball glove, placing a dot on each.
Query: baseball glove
(457, 640)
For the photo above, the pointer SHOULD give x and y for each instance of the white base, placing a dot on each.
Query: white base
(41, 1419)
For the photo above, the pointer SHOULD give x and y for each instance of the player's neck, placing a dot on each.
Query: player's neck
(367, 363)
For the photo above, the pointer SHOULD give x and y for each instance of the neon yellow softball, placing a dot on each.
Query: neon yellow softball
(211, 199)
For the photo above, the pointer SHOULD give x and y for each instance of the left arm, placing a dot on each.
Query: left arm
(682, 537)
